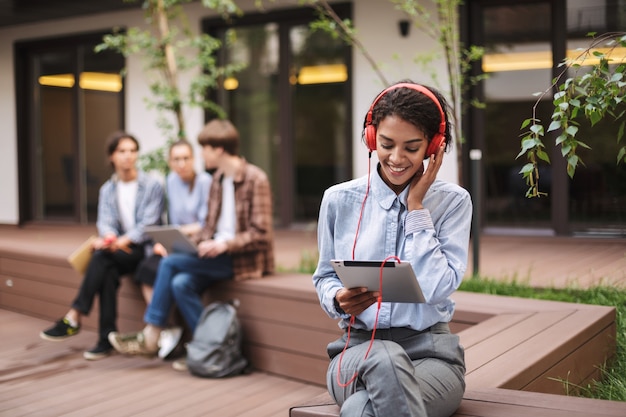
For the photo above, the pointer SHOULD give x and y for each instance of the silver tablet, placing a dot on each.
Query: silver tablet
(400, 284)
(172, 239)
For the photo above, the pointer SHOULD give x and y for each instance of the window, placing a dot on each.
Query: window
(291, 104)
(69, 100)
(525, 44)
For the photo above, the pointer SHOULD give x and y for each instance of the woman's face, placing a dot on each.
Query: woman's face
(400, 147)
(125, 155)
(181, 162)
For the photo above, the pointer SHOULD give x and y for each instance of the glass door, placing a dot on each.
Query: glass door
(518, 61)
(597, 204)
(525, 44)
(75, 102)
(318, 80)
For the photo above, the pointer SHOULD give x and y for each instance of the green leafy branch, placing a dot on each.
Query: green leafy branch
(592, 94)
(169, 47)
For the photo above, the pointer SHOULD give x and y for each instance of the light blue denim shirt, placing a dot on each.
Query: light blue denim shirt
(185, 206)
(434, 240)
(149, 206)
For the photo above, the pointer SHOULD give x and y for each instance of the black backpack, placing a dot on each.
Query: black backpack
(215, 350)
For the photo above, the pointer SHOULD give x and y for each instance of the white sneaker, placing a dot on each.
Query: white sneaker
(180, 364)
(133, 343)
(168, 340)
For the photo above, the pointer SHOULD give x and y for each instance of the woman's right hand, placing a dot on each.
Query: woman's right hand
(422, 182)
(354, 301)
(104, 243)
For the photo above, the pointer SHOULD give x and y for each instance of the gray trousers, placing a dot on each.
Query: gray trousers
(406, 373)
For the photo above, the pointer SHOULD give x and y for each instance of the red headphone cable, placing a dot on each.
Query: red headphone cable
(367, 191)
(379, 302)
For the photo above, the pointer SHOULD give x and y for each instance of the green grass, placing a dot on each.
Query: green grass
(612, 386)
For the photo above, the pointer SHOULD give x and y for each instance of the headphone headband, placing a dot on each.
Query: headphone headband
(437, 139)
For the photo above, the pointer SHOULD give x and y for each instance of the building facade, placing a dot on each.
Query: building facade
(299, 103)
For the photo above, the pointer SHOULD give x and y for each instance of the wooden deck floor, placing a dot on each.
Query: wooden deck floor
(42, 378)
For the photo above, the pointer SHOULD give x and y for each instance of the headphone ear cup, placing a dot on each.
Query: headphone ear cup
(434, 145)
(370, 137)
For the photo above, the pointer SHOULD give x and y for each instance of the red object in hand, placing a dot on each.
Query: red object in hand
(109, 240)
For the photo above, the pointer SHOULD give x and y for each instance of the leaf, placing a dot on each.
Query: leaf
(571, 130)
(537, 129)
(595, 117)
(565, 149)
(527, 169)
(527, 144)
(543, 155)
(555, 125)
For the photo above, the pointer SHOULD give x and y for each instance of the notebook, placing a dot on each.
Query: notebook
(79, 259)
(172, 239)
(400, 284)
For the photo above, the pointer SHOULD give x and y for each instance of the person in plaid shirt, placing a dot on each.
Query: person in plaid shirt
(236, 242)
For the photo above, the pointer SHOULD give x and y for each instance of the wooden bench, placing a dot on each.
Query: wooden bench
(513, 346)
(285, 330)
(495, 402)
(528, 347)
(513, 343)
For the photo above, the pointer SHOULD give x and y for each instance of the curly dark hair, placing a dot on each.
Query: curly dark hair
(413, 107)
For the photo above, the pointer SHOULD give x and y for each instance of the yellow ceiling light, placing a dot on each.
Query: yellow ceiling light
(99, 81)
(58, 80)
(321, 74)
(516, 61)
(231, 83)
(615, 55)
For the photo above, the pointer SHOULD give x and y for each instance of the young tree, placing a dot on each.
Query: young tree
(169, 47)
(592, 93)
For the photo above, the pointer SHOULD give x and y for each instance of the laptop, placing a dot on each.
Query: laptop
(172, 239)
(400, 284)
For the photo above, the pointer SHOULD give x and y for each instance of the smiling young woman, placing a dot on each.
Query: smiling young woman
(397, 356)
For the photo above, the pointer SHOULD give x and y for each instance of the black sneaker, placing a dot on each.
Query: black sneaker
(61, 330)
(100, 351)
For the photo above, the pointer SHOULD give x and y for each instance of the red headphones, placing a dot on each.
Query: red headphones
(436, 141)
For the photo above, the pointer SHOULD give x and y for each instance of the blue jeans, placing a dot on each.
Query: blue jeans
(181, 279)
